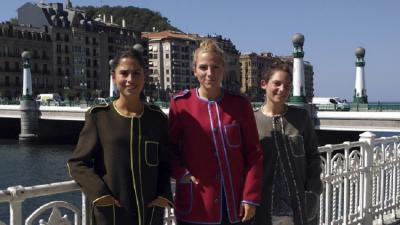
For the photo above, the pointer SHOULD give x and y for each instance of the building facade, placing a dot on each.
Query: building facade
(171, 62)
(70, 50)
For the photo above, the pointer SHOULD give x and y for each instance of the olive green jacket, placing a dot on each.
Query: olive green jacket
(292, 136)
(125, 157)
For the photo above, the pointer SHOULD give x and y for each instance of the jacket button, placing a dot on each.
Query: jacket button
(216, 200)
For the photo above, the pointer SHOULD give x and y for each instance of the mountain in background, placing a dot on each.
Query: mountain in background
(139, 19)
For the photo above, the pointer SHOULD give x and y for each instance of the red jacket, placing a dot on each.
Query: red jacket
(216, 142)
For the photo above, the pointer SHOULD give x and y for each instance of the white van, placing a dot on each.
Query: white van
(331, 103)
(48, 99)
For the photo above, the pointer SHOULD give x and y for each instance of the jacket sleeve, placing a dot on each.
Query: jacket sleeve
(253, 156)
(175, 134)
(81, 164)
(313, 182)
(164, 169)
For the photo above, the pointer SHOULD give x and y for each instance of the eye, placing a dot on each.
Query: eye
(203, 67)
(136, 73)
(216, 66)
(276, 83)
(124, 73)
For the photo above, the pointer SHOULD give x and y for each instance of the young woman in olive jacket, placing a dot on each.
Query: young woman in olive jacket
(120, 161)
(292, 165)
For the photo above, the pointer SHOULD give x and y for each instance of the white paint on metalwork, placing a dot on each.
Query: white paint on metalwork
(55, 217)
(358, 115)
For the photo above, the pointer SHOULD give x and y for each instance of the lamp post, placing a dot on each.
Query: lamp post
(83, 86)
(113, 89)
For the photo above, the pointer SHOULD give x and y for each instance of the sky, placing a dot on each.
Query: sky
(332, 30)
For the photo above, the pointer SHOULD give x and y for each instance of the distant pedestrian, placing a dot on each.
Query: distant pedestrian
(292, 164)
(120, 161)
(217, 160)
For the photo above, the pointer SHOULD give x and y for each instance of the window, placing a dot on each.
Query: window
(66, 61)
(167, 71)
(66, 49)
(66, 37)
(167, 79)
(58, 60)
(6, 66)
(45, 69)
(167, 56)
(17, 66)
(58, 48)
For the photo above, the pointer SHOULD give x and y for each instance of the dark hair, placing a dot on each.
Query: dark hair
(269, 70)
(131, 53)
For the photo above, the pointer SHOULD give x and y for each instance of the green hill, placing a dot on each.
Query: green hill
(140, 19)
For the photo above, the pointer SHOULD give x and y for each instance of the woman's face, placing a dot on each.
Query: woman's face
(209, 70)
(129, 77)
(278, 87)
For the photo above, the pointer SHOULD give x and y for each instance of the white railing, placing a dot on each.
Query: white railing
(361, 186)
(361, 181)
(18, 194)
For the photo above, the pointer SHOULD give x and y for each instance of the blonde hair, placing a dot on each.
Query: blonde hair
(210, 46)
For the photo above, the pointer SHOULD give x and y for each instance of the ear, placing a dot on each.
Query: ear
(113, 75)
(264, 84)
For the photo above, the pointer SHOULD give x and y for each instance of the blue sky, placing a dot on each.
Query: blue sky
(332, 30)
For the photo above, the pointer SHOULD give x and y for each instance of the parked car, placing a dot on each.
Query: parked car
(48, 99)
(331, 103)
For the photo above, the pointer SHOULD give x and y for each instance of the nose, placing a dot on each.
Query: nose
(210, 71)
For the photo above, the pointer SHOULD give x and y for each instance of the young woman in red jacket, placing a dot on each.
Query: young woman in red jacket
(216, 155)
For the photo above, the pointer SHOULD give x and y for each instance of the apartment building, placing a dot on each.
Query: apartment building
(170, 61)
(70, 50)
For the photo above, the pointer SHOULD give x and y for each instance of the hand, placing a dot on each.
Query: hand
(160, 202)
(247, 211)
(189, 178)
(108, 200)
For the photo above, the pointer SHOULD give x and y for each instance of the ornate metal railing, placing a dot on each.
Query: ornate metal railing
(361, 181)
(361, 186)
(15, 196)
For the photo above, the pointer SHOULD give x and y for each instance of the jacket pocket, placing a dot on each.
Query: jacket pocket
(104, 214)
(233, 135)
(312, 206)
(151, 153)
(297, 145)
(155, 216)
(183, 197)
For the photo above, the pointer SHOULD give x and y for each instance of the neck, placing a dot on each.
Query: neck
(210, 94)
(271, 109)
(129, 107)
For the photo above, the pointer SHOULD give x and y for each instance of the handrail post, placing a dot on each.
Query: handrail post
(368, 153)
(16, 204)
(86, 210)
